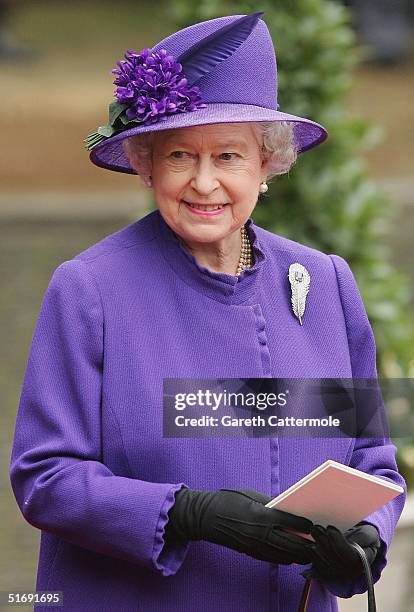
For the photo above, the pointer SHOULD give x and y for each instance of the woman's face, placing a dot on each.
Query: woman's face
(218, 164)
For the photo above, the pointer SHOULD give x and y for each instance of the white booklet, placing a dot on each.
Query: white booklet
(336, 494)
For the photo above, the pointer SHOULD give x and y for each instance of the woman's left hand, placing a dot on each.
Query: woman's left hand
(333, 556)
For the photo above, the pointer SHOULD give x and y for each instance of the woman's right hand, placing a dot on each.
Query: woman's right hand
(239, 520)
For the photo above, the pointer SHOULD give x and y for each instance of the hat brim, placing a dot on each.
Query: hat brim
(110, 154)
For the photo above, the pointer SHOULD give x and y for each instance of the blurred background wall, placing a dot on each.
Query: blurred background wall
(55, 62)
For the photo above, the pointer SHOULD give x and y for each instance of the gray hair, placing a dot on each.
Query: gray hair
(276, 138)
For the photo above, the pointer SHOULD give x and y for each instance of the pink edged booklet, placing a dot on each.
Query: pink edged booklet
(336, 494)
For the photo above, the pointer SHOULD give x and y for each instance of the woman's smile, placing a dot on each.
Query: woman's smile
(205, 210)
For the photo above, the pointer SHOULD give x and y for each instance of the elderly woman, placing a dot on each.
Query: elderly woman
(133, 520)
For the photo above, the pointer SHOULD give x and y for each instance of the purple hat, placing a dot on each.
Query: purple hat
(217, 71)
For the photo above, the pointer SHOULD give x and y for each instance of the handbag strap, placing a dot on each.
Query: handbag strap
(372, 607)
(304, 600)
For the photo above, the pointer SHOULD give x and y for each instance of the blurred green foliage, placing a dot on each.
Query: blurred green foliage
(327, 201)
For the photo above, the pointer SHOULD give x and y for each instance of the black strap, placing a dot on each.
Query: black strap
(304, 600)
(367, 569)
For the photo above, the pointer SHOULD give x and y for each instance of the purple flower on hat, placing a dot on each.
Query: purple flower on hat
(152, 86)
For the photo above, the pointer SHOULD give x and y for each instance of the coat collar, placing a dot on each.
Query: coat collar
(216, 285)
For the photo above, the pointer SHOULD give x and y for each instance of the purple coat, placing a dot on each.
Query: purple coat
(90, 467)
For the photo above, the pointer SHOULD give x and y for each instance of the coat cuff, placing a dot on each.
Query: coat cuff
(167, 557)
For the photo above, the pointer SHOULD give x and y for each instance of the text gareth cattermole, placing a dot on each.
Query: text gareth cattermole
(213, 400)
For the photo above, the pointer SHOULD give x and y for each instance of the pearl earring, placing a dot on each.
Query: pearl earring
(263, 187)
(148, 181)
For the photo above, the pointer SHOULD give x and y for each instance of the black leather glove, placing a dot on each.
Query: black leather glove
(333, 556)
(239, 520)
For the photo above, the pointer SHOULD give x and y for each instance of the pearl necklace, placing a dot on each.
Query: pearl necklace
(246, 253)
